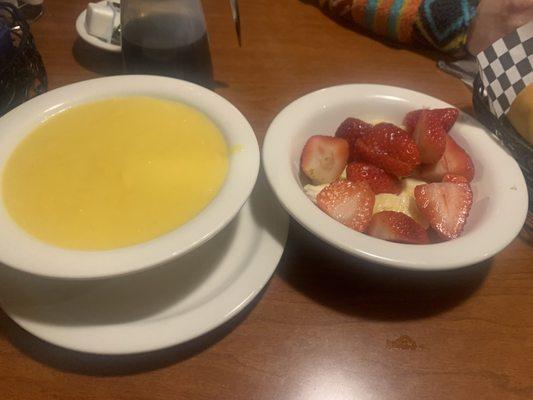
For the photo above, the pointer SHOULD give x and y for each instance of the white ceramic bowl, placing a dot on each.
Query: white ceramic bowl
(500, 193)
(20, 250)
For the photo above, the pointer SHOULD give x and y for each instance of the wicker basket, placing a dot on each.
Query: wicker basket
(22, 75)
(502, 129)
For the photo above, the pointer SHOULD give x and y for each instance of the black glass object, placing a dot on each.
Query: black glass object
(22, 73)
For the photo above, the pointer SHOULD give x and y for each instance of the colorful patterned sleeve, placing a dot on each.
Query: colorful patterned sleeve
(441, 24)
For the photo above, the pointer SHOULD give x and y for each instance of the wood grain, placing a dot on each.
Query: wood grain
(327, 326)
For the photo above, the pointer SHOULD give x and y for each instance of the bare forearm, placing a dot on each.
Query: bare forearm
(496, 19)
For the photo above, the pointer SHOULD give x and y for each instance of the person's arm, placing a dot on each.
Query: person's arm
(495, 19)
(441, 24)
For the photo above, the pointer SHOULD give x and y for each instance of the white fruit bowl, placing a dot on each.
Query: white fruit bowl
(21, 251)
(500, 193)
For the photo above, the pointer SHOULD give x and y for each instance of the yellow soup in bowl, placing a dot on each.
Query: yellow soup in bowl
(114, 173)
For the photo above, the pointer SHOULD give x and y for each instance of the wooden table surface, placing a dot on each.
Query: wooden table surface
(327, 326)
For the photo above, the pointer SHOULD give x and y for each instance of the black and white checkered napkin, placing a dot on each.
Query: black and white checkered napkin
(507, 67)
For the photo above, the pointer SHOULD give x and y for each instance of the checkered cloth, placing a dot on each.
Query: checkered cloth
(507, 68)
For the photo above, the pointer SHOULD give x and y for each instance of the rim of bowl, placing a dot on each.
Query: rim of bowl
(466, 250)
(22, 251)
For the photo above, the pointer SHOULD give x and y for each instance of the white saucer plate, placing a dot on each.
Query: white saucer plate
(92, 40)
(161, 307)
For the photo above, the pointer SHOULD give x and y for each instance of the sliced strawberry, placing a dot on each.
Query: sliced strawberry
(389, 148)
(445, 205)
(379, 180)
(351, 130)
(324, 158)
(454, 178)
(454, 161)
(350, 203)
(434, 236)
(445, 116)
(411, 119)
(397, 227)
(430, 137)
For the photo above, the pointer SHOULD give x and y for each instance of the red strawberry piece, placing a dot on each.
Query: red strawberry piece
(411, 119)
(445, 205)
(389, 148)
(454, 178)
(379, 180)
(397, 227)
(454, 161)
(351, 130)
(350, 203)
(324, 158)
(430, 137)
(445, 116)
(434, 236)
